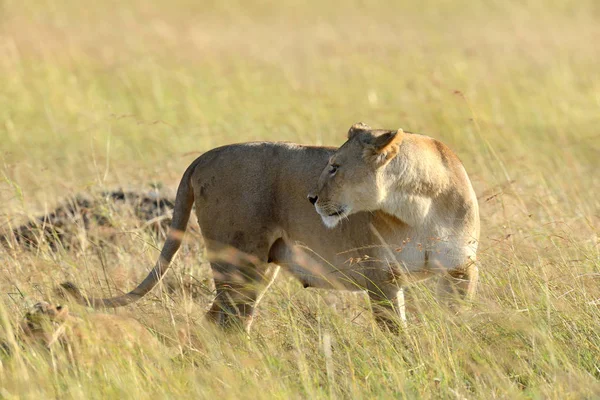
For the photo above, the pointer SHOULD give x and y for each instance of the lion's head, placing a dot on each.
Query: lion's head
(41, 321)
(353, 179)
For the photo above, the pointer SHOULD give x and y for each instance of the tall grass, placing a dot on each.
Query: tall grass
(97, 95)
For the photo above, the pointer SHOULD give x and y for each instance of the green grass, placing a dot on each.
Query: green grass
(107, 94)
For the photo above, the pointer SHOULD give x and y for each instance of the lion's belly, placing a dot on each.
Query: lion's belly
(357, 258)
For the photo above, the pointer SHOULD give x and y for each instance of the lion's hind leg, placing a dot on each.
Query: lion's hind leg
(236, 295)
(241, 278)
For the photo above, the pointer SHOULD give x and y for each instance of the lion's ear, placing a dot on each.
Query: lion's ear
(383, 148)
(357, 128)
(388, 141)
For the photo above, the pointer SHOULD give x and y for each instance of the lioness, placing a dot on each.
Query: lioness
(392, 207)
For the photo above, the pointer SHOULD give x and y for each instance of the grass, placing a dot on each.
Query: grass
(127, 94)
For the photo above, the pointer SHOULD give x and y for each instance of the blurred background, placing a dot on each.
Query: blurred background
(99, 95)
(127, 92)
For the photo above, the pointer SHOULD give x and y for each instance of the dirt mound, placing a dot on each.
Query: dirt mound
(84, 216)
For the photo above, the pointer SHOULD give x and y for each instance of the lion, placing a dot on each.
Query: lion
(385, 209)
(49, 326)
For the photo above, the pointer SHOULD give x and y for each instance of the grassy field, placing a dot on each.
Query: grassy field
(108, 94)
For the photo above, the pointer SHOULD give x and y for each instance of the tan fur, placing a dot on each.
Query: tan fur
(398, 207)
(54, 326)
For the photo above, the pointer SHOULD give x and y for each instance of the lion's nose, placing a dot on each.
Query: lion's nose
(312, 199)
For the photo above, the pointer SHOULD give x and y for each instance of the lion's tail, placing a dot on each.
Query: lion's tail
(181, 215)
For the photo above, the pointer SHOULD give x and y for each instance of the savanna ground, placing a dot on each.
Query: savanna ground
(108, 94)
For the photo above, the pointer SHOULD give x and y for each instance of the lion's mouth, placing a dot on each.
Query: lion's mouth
(338, 213)
(332, 214)
(342, 211)
(332, 218)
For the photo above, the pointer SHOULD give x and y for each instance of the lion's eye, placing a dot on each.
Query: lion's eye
(333, 169)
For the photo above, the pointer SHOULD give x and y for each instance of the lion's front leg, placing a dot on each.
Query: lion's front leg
(458, 284)
(388, 306)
